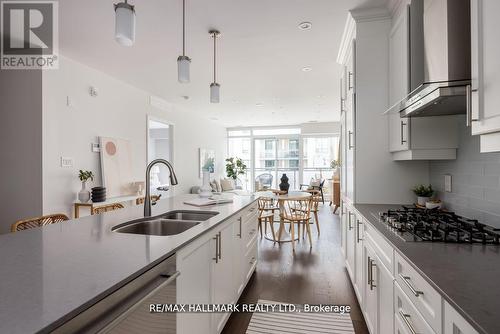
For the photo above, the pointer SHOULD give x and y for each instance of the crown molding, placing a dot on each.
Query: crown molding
(370, 14)
(347, 36)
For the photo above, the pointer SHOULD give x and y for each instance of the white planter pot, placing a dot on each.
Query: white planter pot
(206, 189)
(84, 194)
(422, 200)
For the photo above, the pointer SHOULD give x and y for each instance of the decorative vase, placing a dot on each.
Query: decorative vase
(422, 200)
(84, 194)
(206, 189)
(284, 185)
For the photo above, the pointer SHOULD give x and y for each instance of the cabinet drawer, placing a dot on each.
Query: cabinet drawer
(422, 294)
(250, 260)
(383, 249)
(249, 212)
(407, 316)
(454, 323)
(249, 229)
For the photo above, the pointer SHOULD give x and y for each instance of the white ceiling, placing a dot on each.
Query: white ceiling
(260, 54)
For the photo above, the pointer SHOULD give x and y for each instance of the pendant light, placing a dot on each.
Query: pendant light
(183, 61)
(124, 23)
(214, 86)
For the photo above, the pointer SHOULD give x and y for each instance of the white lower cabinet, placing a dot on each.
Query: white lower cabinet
(358, 250)
(379, 280)
(454, 323)
(215, 268)
(407, 314)
(350, 243)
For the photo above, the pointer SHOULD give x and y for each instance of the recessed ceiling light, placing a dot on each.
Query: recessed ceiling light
(305, 25)
(259, 104)
(306, 69)
(185, 97)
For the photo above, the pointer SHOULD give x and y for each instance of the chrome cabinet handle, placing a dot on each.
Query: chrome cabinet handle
(349, 221)
(240, 221)
(357, 232)
(406, 280)
(470, 112)
(405, 317)
(350, 140)
(220, 245)
(134, 307)
(368, 271)
(371, 264)
(349, 77)
(403, 141)
(216, 258)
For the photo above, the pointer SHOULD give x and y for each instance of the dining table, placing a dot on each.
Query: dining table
(280, 197)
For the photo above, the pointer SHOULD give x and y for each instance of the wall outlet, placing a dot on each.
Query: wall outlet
(66, 162)
(95, 147)
(447, 183)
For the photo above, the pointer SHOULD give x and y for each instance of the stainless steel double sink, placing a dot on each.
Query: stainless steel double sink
(169, 223)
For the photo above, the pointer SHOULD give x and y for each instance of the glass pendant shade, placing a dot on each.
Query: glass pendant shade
(183, 63)
(214, 92)
(125, 24)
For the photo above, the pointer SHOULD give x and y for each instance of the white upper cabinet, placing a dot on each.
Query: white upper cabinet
(484, 115)
(422, 138)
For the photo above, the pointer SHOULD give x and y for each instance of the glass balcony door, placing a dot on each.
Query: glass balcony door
(274, 157)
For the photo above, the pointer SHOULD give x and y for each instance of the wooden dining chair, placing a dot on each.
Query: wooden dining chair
(316, 199)
(266, 207)
(38, 222)
(106, 208)
(296, 211)
(154, 199)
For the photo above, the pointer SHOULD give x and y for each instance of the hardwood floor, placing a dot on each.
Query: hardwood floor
(311, 276)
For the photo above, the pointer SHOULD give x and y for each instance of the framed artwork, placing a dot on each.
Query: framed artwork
(116, 166)
(207, 160)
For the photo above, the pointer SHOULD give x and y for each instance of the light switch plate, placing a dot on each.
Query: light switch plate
(447, 183)
(95, 147)
(66, 162)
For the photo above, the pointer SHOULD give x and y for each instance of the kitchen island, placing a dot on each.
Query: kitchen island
(51, 274)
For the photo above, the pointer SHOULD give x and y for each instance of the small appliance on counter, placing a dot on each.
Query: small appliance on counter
(416, 224)
(98, 194)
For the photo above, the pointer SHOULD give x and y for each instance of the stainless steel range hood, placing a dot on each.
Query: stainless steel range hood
(440, 68)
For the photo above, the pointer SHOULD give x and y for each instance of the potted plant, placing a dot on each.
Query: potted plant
(84, 176)
(235, 167)
(335, 164)
(424, 194)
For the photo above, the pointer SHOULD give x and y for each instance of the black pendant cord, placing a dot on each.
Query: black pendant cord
(183, 28)
(215, 59)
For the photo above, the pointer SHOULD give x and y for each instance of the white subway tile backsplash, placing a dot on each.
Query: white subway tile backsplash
(476, 180)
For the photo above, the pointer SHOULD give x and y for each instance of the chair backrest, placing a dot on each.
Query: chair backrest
(316, 198)
(140, 200)
(38, 222)
(296, 209)
(106, 208)
(265, 179)
(266, 203)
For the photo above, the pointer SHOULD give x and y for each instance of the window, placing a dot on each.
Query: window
(271, 152)
(318, 153)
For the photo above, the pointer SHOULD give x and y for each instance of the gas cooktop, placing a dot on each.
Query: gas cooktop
(415, 224)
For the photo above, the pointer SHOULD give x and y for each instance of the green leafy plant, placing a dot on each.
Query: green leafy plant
(235, 167)
(85, 175)
(423, 191)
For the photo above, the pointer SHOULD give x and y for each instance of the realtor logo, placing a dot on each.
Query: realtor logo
(29, 35)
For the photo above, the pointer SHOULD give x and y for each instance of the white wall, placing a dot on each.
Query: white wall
(120, 111)
(20, 146)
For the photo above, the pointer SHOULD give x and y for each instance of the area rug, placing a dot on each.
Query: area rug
(299, 322)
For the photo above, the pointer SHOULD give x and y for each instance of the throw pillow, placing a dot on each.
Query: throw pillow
(227, 184)
(213, 184)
